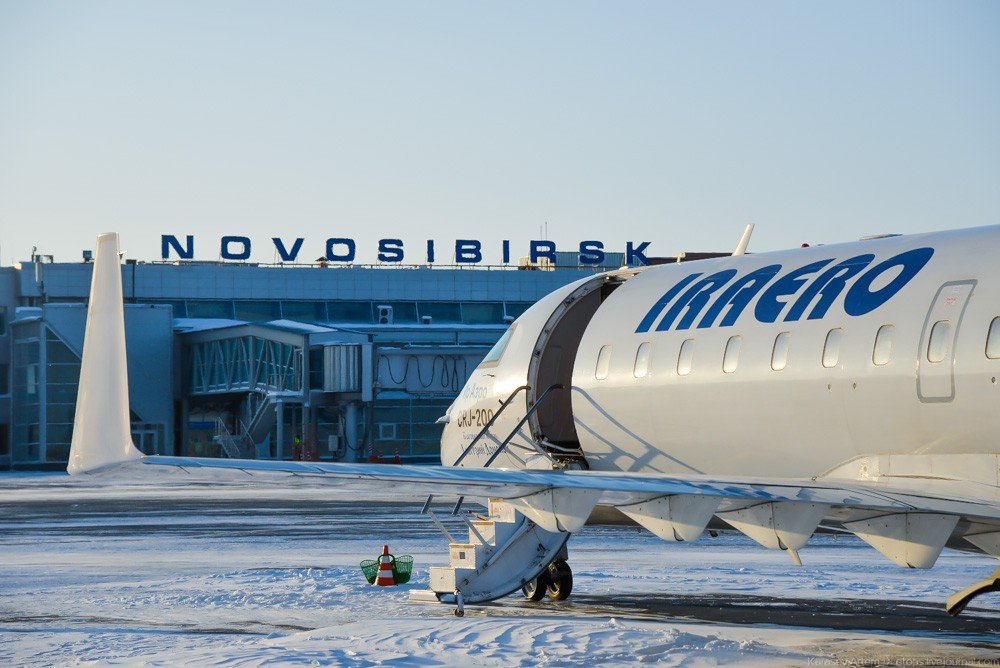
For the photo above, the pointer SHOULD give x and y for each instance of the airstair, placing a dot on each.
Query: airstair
(505, 551)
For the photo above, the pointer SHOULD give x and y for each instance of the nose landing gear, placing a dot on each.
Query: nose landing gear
(556, 581)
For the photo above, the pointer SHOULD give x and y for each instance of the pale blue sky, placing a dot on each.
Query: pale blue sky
(676, 123)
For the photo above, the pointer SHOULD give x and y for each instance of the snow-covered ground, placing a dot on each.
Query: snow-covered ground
(231, 574)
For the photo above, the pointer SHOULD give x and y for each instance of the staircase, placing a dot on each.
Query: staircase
(262, 418)
(504, 552)
(234, 447)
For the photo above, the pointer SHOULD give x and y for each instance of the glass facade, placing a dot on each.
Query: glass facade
(62, 376)
(304, 311)
(482, 313)
(442, 312)
(245, 363)
(209, 309)
(258, 311)
(26, 393)
(407, 427)
(360, 312)
(350, 311)
(44, 381)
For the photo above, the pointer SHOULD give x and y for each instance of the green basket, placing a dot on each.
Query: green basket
(402, 568)
(370, 568)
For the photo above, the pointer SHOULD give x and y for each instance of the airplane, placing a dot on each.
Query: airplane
(848, 388)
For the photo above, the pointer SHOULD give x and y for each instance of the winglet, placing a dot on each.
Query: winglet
(102, 435)
(741, 247)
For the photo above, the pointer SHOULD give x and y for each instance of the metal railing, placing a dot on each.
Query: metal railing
(517, 427)
(235, 448)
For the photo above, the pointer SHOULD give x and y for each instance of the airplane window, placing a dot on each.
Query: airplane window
(496, 352)
(831, 349)
(937, 346)
(641, 367)
(603, 363)
(779, 354)
(882, 352)
(993, 340)
(685, 357)
(732, 356)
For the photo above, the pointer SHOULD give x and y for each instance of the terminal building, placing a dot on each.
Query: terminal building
(336, 363)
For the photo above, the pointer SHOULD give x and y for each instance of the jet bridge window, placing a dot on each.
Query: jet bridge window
(685, 357)
(641, 367)
(993, 340)
(779, 354)
(732, 357)
(603, 363)
(937, 344)
(882, 352)
(831, 349)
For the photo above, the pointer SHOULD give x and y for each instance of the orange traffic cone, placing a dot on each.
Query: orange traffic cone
(385, 578)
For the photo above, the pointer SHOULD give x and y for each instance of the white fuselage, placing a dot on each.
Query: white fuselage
(644, 405)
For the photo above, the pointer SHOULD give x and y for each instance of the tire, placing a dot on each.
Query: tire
(535, 589)
(560, 580)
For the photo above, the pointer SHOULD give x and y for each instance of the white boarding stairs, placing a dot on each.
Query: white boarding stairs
(504, 552)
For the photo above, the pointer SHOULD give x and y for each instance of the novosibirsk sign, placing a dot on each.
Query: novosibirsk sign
(342, 249)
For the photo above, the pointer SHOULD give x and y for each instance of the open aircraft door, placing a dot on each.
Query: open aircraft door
(936, 355)
(552, 361)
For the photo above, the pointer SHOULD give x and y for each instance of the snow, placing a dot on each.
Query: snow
(234, 574)
(204, 324)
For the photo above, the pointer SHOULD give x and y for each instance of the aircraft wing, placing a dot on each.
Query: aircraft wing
(909, 521)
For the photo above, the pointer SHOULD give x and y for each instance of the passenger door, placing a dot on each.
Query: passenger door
(936, 354)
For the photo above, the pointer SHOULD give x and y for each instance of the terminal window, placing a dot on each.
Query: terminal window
(303, 311)
(404, 312)
(350, 311)
(441, 312)
(4, 379)
(255, 311)
(209, 309)
(3, 320)
(482, 313)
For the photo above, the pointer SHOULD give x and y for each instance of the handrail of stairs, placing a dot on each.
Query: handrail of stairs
(490, 422)
(520, 424)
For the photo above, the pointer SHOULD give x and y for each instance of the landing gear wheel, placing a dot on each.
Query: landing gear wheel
(535, 589)
(560, 580)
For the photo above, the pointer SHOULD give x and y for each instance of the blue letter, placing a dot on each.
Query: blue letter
(768, 307)
(695, 299)
(430, 251)
(506, 251)
(636, 253)
(861, 300)
(390, 250)
(287, 255)
(738, 296)
(346, 257)
(228, 254)
(828, 286)
(468, 251)
(661, 304)
(168, 241)
(543, 249)
(591, 252)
